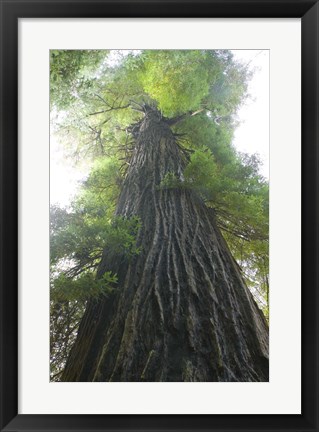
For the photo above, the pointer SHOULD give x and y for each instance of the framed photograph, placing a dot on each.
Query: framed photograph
(159, 212)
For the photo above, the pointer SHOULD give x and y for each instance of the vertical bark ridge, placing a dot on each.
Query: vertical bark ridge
(181, 311)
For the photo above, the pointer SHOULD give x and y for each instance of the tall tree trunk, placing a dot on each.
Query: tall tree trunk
(181, 310)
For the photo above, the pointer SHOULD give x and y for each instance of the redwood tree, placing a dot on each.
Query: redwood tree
(179, 309)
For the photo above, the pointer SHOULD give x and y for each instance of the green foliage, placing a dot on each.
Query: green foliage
(81, 288)
(201, 174)
(122, 236)
(185, 80)
(202, 132)
(99, 193)
(103, 102)
(80, 234)
(170, 181)
(226, 93)
(177, 80)
(70, 72)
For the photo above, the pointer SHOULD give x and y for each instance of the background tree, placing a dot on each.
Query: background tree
(140, 250)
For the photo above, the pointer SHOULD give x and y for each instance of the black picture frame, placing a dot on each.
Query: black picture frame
(11, 11)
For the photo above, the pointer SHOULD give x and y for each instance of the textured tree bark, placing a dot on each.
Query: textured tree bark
(181, 311)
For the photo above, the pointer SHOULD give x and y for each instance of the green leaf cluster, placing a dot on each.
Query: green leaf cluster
(71, 72)
(176, 89)
(81, 233)
(81, 288)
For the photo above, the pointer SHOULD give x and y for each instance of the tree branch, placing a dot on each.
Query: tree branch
(110, 109)
(181, 117)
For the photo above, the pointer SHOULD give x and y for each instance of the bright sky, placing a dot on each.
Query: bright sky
(251, 136)
(64, 178)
